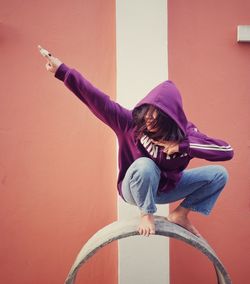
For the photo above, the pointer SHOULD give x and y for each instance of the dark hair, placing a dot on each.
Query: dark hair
(167, 129)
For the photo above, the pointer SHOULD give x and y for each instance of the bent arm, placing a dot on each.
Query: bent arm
(198, 145)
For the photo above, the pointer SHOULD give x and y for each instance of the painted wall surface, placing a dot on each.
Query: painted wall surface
(212, 72)
(138, 72)
(57, 162)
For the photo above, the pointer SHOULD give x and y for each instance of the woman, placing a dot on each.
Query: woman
(156, 143)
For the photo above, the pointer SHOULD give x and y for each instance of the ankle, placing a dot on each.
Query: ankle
(180, 211)
(146, 215)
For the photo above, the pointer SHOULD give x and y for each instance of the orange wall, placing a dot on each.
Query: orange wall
(212, 71)
(57, 162)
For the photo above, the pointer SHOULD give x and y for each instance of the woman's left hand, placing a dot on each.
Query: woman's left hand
(170, 147)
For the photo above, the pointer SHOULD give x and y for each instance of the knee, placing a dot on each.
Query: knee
(145, 168)
(221, 175)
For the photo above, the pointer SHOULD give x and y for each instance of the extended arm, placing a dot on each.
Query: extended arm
(108, 111)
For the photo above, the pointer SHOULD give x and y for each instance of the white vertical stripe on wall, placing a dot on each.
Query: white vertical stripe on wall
(141, 38)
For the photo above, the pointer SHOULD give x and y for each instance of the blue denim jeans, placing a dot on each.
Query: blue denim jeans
(199, 187)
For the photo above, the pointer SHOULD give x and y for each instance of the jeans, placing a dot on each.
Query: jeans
(199, 187)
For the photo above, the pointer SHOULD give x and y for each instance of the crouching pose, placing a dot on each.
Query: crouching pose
(156, 144)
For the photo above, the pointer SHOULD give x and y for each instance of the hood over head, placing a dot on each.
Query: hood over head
(167, 98)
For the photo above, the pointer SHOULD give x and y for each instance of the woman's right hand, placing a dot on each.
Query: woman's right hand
(169, 147)
(53, 63)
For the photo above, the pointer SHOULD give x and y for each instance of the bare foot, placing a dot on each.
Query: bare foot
(147, 225)
(184, 222)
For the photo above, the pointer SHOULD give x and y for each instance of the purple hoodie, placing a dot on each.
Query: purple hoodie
(164, 96)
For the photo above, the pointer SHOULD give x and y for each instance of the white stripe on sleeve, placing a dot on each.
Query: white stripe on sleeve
(211, 147)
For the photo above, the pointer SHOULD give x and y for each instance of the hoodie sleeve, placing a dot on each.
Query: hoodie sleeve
(198, 145)
(108, 111)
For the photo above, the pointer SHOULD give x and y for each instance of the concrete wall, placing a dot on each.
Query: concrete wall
(57, 162)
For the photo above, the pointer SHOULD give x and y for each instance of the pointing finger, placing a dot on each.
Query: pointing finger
(44, 52)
